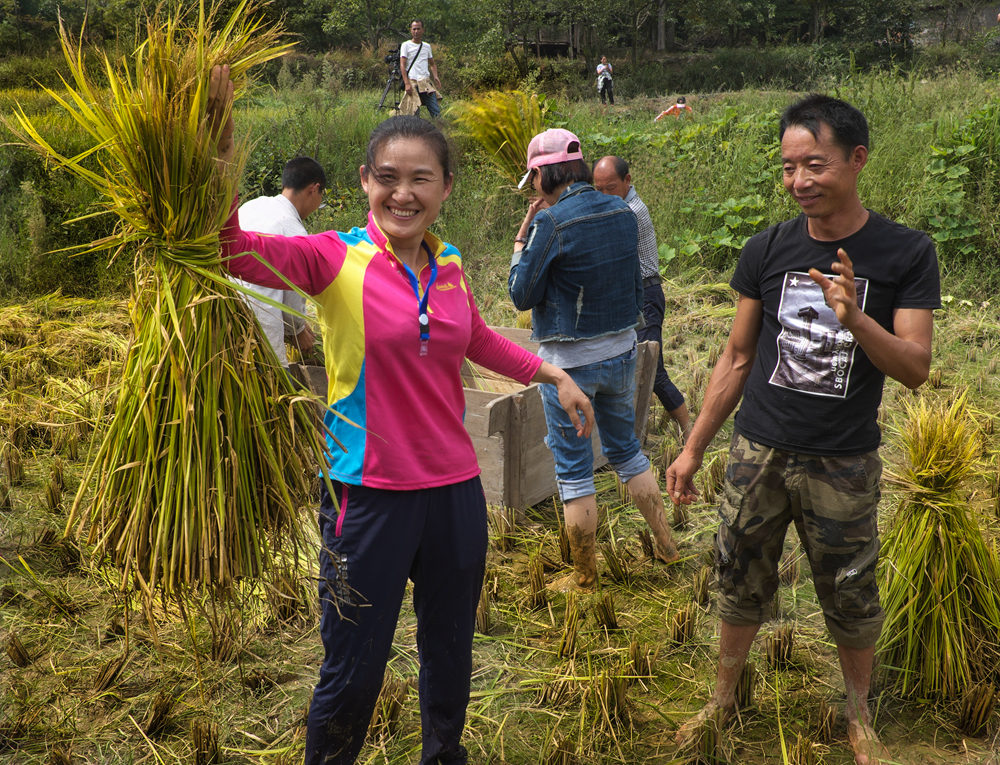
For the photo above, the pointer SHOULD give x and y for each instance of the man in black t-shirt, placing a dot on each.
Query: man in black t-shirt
(808, 353)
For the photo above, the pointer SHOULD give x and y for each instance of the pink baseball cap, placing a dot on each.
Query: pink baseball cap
(550, 148)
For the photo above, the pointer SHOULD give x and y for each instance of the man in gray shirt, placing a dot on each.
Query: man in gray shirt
(611, 176)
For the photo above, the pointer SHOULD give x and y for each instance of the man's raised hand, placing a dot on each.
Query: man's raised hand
(840, 292)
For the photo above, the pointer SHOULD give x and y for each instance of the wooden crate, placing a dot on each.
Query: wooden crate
(508, 430)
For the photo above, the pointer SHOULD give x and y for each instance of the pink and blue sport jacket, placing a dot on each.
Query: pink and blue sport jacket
(402, 412)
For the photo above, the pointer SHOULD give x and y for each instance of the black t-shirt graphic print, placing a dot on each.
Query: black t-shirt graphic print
(812, 389)
(815, 351)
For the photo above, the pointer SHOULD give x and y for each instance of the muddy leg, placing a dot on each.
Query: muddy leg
(856, 664)
(734, 646)
(646, 495)
(581, 528)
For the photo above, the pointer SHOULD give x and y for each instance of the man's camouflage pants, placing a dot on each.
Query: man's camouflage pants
(833, 502)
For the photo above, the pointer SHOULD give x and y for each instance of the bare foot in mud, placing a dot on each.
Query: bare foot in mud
(666, 554)
(572, 583)
(868, 750)
(688, 734)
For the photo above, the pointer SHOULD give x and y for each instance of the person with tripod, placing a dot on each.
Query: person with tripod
(417, 65)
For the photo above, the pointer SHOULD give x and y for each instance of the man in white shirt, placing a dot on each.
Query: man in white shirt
(417, 65)
(302, 184)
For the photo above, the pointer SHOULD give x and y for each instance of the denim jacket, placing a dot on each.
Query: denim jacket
(579, 271)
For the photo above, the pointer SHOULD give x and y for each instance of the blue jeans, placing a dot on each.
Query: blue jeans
(430, 100)
(610, 386)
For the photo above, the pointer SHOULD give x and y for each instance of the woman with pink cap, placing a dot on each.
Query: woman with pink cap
(576, 266)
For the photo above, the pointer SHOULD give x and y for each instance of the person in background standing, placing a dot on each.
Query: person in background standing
(604, 84)
(302, 184)
(611, 176)
(417, 65)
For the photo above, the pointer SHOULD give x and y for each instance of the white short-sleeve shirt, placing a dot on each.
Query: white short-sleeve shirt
(419, 70)
(272, 215)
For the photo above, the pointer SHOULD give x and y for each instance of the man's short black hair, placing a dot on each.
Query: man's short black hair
(619, 164)
(416, 21)
(561, 173)
(302, 172)
(847, 123)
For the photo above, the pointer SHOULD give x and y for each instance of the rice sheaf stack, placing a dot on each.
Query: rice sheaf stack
(203, 471)
(940, 581)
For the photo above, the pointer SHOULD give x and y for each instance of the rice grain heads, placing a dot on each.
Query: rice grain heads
(203, 470)
(940, 581)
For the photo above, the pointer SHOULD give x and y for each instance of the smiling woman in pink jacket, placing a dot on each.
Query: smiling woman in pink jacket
(398, 319)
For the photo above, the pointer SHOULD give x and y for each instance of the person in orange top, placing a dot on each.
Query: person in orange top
(677, 109)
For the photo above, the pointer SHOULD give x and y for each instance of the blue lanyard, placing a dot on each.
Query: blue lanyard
(424, 323)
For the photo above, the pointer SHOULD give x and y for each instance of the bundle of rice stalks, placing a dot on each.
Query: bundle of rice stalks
(779, 646)
(571, 625)
(681, 516)
(53, 495)
(503, 124)
(706, 748)
(225, 638)
(608, 693)
(646, 543)
(941, 583)
(537, 597)
(604, 612)
(559, 750)
(618, 568)
(6, 503)
(558, 691)
(708, 495)
(13, 465)
(823, 732)
(205, 740)
(503, 523)
(390, 702)
(702, 579)
(641, 658)
(484, 615)
(746, 685)
(158, 714)
(57, 474)
(60, 756)
(290, 595)
(565, 551)
(203, 467)
(803, 752)
(683, 624)
(17, 653)
(789, 570)
(622, 489)
(977, 708)
(109, 673)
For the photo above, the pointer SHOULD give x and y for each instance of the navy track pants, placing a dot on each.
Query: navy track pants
(654, 306)
(435, 537)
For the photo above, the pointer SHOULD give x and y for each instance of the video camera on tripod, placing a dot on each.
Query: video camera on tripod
(395, 81)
